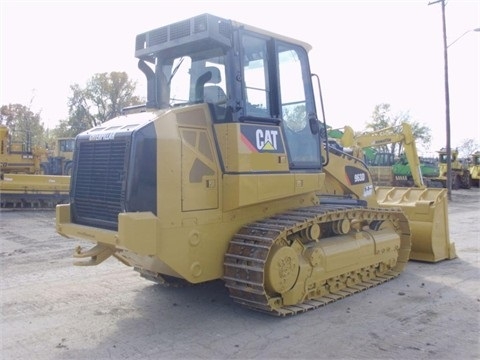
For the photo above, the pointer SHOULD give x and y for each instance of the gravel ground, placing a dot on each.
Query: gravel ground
(54, 310)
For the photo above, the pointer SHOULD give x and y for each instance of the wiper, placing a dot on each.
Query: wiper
(175, 70)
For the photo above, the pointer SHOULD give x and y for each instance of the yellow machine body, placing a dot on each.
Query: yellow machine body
(200, 204)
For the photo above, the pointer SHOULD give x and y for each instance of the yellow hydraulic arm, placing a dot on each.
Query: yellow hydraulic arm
(396, 134)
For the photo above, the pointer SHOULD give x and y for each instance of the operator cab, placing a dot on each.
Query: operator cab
(245, 74)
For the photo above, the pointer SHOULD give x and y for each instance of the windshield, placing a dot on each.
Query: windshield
(67, 145)
(196, 78)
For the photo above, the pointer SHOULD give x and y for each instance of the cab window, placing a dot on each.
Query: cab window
(296, 104)
(255, 75)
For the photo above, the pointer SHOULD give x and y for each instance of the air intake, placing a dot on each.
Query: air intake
(197, 32)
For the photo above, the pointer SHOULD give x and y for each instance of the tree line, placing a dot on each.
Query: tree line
(101, 99)
(106, 94)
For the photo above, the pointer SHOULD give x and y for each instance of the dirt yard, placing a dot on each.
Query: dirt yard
(54, 310)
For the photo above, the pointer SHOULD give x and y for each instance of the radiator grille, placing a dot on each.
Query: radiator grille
(99, 189)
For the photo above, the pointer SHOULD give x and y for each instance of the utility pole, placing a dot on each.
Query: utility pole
(447, 101)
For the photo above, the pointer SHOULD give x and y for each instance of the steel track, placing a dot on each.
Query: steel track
(249, 250)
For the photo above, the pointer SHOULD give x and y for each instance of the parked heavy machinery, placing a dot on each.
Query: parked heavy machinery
(460, 174)
(225, 173)
(21, 191)
(23, 158)
(387, 170)
(19, 157)
(474, 169)
(402, 172)
(25, 175)
(60, 162)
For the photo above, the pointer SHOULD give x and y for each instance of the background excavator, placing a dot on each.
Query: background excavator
(28, 174)
(408, 170)
(226, 173)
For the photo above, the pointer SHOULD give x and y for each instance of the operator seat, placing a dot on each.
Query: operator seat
(214, 94)
(208, 91)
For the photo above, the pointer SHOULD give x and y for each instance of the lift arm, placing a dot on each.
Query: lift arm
(395, 134)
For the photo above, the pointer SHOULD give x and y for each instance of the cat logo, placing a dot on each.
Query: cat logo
(262, 138)
(266, 139)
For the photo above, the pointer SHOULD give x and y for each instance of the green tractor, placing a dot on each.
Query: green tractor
(403, 173)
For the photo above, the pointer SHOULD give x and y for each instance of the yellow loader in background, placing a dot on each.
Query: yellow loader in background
(474, 169)
(460, 173)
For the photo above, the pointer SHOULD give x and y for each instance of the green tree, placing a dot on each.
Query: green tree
(63, 130)
(295, 117)
(24, 125)
(468, 147)
(383, 117)
(103, 98)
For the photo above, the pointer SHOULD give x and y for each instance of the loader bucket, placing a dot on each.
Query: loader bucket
(427, 213)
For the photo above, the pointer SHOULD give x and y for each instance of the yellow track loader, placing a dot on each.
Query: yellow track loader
(225, 173)
(474, 168)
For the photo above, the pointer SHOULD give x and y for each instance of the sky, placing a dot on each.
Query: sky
(365, 53)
